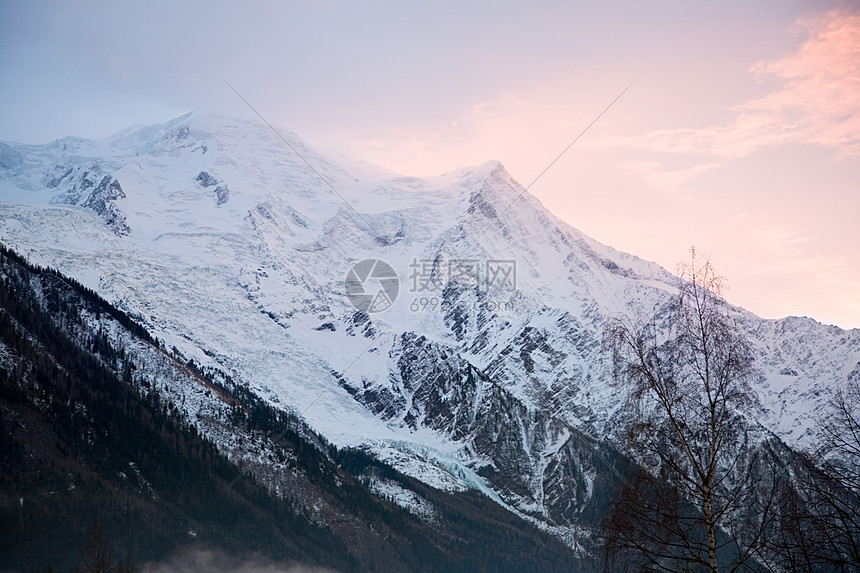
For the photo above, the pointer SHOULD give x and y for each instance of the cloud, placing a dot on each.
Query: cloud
(479, 131)
(665, 179)
(219, 562)
(817, 102)
(792, 252)
(820, 101)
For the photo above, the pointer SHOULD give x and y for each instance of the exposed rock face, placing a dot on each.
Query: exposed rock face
(206, 180)
(536, 463)
(103, 199)
(222, 193)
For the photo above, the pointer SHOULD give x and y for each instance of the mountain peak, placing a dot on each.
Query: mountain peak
(236, 253)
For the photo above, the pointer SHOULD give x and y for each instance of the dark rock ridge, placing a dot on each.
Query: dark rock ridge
(103, 199)
(538, 464)
(222, 193)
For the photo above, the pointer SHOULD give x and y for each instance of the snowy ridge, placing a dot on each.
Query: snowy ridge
(228, 246)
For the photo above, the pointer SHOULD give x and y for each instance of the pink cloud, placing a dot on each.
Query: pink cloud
(818, 103)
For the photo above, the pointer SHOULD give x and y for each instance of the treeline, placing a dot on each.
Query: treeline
(81, 444)
(85, 298)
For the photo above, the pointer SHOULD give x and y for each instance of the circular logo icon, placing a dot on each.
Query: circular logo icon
(372, 285)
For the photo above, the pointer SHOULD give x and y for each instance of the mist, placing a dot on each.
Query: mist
(196, 560)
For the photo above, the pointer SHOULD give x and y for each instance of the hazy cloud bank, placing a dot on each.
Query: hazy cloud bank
(195, 561)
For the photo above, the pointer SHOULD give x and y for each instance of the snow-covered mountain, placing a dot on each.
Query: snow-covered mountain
(486, 372)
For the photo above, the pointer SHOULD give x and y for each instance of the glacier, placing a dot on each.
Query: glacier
(227, 245)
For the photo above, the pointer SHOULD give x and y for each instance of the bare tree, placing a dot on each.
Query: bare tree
(832, 487)
(840, 436)
(97, 557)
(704, 499)
(820, 511)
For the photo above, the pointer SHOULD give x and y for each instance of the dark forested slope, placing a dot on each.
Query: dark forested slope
(85, 439)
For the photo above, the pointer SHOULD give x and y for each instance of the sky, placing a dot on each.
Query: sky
(740, 134)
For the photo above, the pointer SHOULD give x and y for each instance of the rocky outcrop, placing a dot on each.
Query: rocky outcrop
(537, 464)
(221, 191)
(103, 199)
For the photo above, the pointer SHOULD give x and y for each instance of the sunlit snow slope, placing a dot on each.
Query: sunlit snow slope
(225, 243)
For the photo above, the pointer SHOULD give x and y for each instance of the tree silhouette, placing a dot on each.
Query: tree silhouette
(701, 501)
